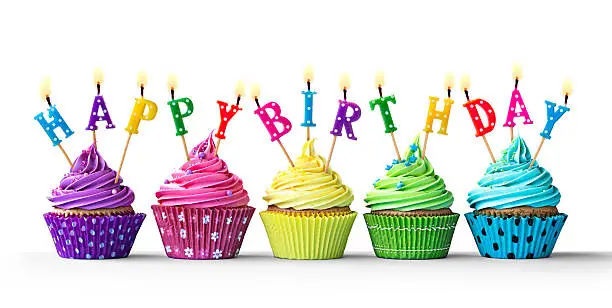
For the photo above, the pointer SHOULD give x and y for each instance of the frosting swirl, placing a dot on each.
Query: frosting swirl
(307, 186)
(511, 183)
(203, 182)
(90, 185)
(410, 184)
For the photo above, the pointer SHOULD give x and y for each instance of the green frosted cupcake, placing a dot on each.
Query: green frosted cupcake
(410, 210)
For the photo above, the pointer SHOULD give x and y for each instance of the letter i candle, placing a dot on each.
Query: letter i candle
(308, 102)
(515, 111)
(342, 120)
(472, 108)
(434, 114)
(177, 115)
(383, 105)
(99, 111)
(56, 120)
(138, 114)
(269, 120)
(227, 114)
(553, 114)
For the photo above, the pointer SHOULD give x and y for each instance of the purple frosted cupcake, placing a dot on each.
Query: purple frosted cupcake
(92, 216)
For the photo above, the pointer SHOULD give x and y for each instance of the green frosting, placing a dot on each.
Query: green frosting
(410, 184)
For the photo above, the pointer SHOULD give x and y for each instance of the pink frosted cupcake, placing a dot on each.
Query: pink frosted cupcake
(203, 210)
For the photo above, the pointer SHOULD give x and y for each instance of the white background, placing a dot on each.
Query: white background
(212, 45)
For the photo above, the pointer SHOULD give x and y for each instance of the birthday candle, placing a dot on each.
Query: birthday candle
(515, 111)
(308, 102)
(99, 111)
(56, 120)
(270, 122)
(175, 109)
(227, 114)
(434, 114)
(472, 108)
(383, 105)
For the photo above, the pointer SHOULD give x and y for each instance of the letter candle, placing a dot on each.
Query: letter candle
(444, 115)
(226, 115)
(270, 120)
(99, 112)
(552, 116)
(342, 120)
(513, 110)
(138, 114)
(383, 105)
(56, 119)
(472, 107)
(177, 115)
(308, 101)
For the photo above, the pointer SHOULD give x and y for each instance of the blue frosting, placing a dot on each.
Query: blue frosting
(511, 183)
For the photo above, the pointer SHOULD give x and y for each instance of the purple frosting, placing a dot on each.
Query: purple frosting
(90, 185)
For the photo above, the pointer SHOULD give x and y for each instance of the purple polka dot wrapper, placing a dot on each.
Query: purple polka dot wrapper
(94, 237)
(202, 233)
(515, 237)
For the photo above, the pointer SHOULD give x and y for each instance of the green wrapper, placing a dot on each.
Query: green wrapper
(307, 237)
(411, 237)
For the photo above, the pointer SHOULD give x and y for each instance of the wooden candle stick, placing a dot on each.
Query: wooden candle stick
(331, 152)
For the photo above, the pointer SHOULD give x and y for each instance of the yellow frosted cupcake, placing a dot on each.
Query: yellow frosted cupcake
(308, 215)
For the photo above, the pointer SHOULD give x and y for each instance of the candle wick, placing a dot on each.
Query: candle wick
(238, 101)
(566, 98)
(344, 90)
(98, 87)
(467, 94)
(141, 90)
(516, 83)
(380, 91)
(48, 99)
(257, 101)
(448, 92)
(172, 93)
(308, 84)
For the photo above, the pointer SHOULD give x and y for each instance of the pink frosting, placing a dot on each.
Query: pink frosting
(203, 182)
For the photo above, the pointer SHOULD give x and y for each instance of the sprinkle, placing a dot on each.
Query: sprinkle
(388, 167)
(189, 172)
(229, 193)
(374, 184)
(414, 147)
(400, 185)
(407, 164)
(201, 155)
(412, 159)
(166, 182)
(395, 161)
(114, 191)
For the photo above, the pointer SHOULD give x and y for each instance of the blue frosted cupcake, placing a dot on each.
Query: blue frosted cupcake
(515, 208)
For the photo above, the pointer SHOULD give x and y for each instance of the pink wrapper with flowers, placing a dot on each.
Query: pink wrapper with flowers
(94, 237)
(202, 233)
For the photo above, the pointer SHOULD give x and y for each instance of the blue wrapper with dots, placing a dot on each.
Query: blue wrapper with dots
(94, 237)
(515, 237)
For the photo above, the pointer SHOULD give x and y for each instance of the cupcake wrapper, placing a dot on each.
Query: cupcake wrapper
(307, 237)
(94, 237)
(515, 237)
(202, 233)
(411, 237)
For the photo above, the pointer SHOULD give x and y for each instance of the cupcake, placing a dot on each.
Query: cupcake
(92, 216)
(515, 208)
(203, 210)
(410, 210)
(308, 215)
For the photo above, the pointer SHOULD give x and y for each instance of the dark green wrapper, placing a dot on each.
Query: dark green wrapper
(411, 237)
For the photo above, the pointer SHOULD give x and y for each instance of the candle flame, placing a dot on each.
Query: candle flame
(449, 81)
(517, 72)
(239, 88)
(465, 82)
(255, 91)
(45, 88)
(308, 74)
(172, 82)
(98, 76)
(345, 81)
(379, 79)
(568, 88)
(141, 79)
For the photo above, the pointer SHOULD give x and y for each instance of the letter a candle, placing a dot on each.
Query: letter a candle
(56, 119)
(472, 108)
(383, 105)
(177, 115)
(138, 114)
(434, 114)
(513, 110)
(99, 112)
(553, 114)
(270, 120)
(342, 120)
(227, 114)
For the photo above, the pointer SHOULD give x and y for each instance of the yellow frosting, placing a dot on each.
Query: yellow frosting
(307, 185)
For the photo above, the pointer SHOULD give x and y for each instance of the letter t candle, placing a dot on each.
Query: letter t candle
(383, 105)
